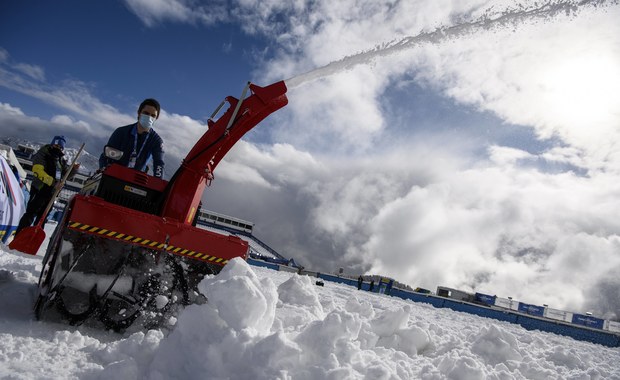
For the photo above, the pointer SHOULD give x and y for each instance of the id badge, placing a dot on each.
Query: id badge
(132, 161)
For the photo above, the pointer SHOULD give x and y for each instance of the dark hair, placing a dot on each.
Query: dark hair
(150, 102)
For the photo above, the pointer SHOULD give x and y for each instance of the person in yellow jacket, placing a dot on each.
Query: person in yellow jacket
(48, 167)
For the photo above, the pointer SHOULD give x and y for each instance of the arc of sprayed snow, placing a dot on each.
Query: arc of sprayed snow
(510, 17)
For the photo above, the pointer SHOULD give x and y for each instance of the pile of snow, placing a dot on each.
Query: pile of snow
(263, 324)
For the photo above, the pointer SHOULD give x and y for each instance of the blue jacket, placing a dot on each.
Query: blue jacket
(123, 138)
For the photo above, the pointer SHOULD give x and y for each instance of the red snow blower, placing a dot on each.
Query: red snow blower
(126, 249)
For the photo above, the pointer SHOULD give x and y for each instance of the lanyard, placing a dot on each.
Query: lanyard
(135, 156)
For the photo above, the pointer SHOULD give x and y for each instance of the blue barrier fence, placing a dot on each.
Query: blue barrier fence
(340, 280)
(261, 263)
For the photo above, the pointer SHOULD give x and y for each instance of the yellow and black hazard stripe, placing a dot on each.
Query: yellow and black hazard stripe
(146, 243)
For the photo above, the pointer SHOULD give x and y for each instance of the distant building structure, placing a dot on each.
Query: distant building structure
(231, 222)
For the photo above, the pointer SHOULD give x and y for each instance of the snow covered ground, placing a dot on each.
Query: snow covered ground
(263, 324)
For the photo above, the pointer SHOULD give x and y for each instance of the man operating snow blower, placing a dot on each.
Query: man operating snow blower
(135, 144)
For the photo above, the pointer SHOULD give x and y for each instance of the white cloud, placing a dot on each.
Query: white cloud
(73, 96)
(14, 123)
(62, 119)
(341, 112)
(270, 166)
(567, 155)
(511, 231)
(179, 133)
(151, 12)
(33, 71)
(72, 123)
(7, 109)
(503, 155)
(553, 76)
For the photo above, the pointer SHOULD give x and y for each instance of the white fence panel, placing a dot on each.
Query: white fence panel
(507, 303)
(559, 315)
(613, 326)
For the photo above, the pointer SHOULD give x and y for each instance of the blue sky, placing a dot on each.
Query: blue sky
(486, 157)
(110, 51)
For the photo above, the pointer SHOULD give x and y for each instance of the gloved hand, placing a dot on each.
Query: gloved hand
(40, 173)
(48, 180)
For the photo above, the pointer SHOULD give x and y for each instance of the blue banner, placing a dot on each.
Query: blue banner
(531, 309)
(588, 321)
(485, 299)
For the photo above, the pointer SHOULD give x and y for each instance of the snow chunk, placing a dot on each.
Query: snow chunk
(393, 332)
(161, 301)
(566, 357)
(389, 321)
(298, 290)
(461, 367)
(240, 299)
(74, 338)
(320, 338)
(364, 308)
(495, 345)
(299, 301)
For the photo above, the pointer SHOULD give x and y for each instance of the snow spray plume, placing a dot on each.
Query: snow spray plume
(510, 17)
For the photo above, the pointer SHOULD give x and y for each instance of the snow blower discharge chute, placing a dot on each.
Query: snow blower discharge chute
(127, 251)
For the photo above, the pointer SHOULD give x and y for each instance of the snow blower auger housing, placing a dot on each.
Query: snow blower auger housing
(127, 251)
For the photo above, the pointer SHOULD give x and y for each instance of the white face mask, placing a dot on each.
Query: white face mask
(146, 121)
